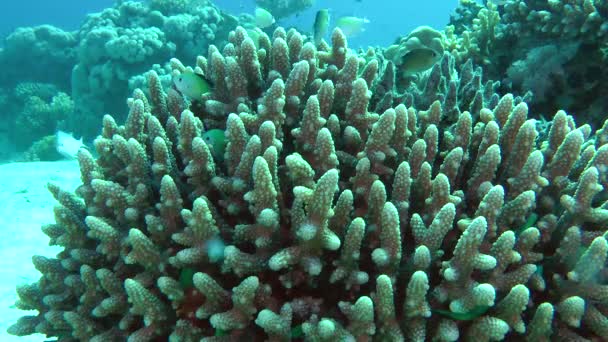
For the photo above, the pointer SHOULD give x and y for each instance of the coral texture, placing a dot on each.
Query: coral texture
(340, 211)
(557, 49)
(38, 54)
(95, 63)
(39, 109)
(284, 8)
(125, 40)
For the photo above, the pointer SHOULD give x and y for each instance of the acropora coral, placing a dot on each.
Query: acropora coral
(341, 211)
(510, 39)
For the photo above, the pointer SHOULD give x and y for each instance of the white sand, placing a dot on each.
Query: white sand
(26, 204)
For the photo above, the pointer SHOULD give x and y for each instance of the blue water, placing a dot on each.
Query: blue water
(388, 18)
(67, 14)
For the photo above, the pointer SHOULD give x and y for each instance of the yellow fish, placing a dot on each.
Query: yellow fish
(418, 60)
(216, 140)
(352, 26)
(192, 85)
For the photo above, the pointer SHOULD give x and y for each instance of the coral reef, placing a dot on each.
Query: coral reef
(121, 42)
(338, 213)
(423, 37)
(41, 54)
(44, 149)
(95, 64)
(515, 38)
(284, 8)
(39, 110)
(541, 67)
(421, 42)
(34, 86)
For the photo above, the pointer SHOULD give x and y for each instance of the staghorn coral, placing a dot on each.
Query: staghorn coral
(336, 222)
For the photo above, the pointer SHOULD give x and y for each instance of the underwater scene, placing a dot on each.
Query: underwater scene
(304, 170)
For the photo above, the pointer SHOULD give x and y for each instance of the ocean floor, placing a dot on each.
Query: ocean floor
(26, 205)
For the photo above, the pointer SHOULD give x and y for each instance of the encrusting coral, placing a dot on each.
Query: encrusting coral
(338, 213)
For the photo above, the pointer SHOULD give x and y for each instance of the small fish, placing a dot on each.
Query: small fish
(192, 85)
(263, 18)
(216, 140)
(320, 26)
(255, 36)
(352, 26)
(418, 60)
(215, 249)
(67, 145)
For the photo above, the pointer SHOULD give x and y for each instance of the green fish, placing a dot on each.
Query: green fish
(216, 140)
(419, 60)
(255, 36)
(320, 26)
(192, 84)
(185, 278)
(352, 26)
(477, 311)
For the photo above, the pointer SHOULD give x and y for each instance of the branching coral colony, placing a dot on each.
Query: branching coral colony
(340, 211)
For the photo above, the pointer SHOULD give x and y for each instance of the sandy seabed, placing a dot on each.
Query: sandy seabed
(25, 205)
